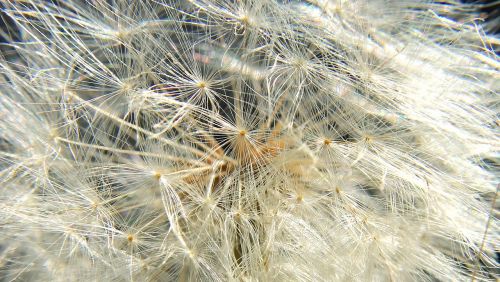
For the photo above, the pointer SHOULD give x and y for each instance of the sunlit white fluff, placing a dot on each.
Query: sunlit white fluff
(247, 141)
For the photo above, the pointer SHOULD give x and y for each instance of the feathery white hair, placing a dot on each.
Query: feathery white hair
(257, 140)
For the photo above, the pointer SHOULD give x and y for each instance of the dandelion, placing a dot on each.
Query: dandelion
(247, 141)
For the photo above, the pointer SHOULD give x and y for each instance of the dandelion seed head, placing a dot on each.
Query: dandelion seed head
(247, 140)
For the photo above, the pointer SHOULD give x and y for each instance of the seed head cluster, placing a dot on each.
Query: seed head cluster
(256, 140)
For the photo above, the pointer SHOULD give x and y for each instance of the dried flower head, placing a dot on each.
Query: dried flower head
(200, 140)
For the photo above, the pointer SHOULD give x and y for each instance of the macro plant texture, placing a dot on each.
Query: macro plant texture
(253, 140)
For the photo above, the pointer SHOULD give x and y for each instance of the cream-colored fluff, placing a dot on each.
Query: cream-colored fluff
(247, 141)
